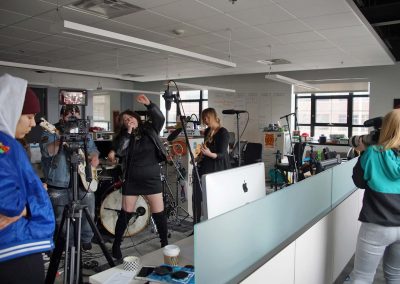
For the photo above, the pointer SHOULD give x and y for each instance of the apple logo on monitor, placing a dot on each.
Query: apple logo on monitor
(244, 186)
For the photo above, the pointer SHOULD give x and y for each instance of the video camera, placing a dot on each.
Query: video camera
(73, 130)
(371, 138)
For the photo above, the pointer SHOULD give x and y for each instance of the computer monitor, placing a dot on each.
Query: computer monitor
(226, 190)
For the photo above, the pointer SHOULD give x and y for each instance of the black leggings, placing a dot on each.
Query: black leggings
(25, 269)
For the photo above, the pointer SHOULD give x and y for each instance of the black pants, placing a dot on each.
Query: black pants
(25, 269)
(197, 198)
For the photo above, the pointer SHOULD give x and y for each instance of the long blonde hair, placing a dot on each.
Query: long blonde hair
(210, 113)
(389, 136)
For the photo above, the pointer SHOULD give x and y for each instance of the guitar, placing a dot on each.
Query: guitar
(198, 155)
(89, 186)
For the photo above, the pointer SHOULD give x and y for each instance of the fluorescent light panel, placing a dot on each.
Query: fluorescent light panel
(133, 42)
(126, 91)
(290, 81)
(204, 87)
(64, 70)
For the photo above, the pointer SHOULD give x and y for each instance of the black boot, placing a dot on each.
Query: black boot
(120, 228)
(161, 223)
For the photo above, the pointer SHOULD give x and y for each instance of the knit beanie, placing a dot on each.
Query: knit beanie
(31, 103)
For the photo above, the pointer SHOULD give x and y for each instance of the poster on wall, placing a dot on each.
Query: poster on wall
(396, 103)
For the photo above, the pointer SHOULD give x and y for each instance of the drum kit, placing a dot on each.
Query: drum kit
(109, 195)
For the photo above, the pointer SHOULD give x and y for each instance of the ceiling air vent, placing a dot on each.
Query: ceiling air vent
(276, 61)
(131, 75)
(105, 8)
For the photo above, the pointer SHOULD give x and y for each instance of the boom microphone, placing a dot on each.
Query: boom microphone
(168, 97)
(293, 113)
(232, 111)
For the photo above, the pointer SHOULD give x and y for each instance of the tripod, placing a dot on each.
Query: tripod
(72, 216)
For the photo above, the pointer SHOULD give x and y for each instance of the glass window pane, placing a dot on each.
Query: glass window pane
(305, 129)
(328, 130)
(304, 110)
(101, 107)
(190, 108)
(331, 111)
(190, 95)
(205, 94)
(360, 110)
(360, 130)
(330, 94)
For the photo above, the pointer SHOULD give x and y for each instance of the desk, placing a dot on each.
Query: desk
(154, 258)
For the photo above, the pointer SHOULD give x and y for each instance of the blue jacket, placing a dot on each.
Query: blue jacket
(19, 188)
(56, 168)
(378, 172)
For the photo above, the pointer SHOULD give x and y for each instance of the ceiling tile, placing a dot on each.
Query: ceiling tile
(312, 8)
(8, 17)
(145, 19)
(262, 15)
(30, 8)
(300, 37)
(184, 10)
(345, 32)
(332, 21)
(284, 27)
(227, 6)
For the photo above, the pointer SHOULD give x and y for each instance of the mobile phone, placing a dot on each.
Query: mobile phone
(144, 272)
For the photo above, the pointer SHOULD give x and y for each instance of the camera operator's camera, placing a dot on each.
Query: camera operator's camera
(370, 138)
(75, 130)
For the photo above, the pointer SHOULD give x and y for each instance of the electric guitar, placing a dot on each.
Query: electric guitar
(89, 186)
(198, 155)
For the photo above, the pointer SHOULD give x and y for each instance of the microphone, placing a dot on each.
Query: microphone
(168, 97)
(140, 211)
(174, 134)
(293, 113)
(232, 111)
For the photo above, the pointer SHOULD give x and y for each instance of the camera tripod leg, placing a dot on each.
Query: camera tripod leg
(99, 238)
(57, 252)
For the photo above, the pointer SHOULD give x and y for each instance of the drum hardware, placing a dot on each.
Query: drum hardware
(172, 202)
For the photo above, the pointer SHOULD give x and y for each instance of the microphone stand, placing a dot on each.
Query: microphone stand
(291, 146)
(192, 160)
(238, 141)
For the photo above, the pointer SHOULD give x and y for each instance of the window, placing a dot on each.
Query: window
(193, 103)
(332, 113)
(101, 111)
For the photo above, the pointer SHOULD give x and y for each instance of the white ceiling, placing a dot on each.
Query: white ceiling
(311, 34)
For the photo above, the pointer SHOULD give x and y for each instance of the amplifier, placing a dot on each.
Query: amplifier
(104, 135)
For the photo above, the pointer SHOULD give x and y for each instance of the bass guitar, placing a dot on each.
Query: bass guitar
(89, 186)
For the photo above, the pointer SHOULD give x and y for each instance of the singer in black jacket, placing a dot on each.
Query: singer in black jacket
(213, 156)
(138, 145)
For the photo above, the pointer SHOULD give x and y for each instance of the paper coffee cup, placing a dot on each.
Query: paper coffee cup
(171, 255)
(131, 263)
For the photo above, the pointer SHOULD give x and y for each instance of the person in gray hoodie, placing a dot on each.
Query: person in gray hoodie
(378, 172)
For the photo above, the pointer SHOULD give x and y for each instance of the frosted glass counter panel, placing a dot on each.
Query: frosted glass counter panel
(227, 245)
(342, 183)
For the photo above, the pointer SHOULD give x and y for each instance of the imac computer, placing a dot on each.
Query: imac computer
(226, 190)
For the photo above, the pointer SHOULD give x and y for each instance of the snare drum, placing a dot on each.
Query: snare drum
(110, 207)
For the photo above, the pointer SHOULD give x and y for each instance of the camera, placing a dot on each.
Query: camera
(75, 130)
(370, 138)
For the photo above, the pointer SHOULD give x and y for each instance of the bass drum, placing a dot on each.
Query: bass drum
(110, 207)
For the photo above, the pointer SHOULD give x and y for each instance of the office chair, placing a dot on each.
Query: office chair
(252, 153)
(294, 161)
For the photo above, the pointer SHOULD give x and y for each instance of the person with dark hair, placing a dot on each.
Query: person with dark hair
(26, 215)
(56, 169)
(141, 150)
(378, 172)
(213, 155)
